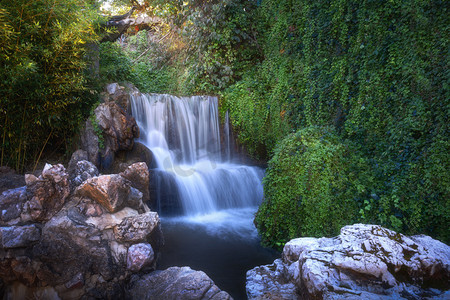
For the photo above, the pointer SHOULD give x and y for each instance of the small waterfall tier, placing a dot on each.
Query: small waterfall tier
(194, 160)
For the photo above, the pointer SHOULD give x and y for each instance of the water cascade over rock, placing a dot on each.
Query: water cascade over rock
(193, 165)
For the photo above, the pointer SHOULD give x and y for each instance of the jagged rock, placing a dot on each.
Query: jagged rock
(19, 236)
(77, 156)
(119, 128)
(140, 257)
(47, 194)
(268, 282)
(363, 262)
(76, 255)
(138, 175)
(111, 191)
(82, 171)
(120, 95)
(138, 228)
(175, 283)
(11, 205)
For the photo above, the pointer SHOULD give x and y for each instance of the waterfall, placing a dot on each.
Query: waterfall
(184, 134)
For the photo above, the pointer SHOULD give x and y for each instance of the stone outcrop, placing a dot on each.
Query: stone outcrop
(119, 128)
(73, 245)
(175, 283)
(112, 129)
(363, 262)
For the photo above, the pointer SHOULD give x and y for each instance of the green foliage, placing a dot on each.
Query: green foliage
(114, 64)
(150, 73)
(97, 130)
(220, 40)
(378, 73)
(43, 88)
(314, 185)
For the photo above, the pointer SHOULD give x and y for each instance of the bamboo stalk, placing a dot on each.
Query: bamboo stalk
(42, 150)
(3, 142)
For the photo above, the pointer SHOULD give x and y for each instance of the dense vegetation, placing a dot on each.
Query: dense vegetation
(43, 88)
(376, 71)
(347, 100)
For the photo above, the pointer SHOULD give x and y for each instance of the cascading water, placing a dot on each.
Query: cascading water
(198, 179)
(185, 137)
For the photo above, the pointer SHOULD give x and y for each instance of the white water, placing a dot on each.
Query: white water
(185, 137)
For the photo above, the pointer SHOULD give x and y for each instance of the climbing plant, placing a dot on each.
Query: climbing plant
(315, 184)
(376, 71)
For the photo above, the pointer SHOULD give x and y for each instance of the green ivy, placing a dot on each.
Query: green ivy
(376, 71)
(314, 184)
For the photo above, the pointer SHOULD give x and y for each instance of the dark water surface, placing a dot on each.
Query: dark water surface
(224, 245)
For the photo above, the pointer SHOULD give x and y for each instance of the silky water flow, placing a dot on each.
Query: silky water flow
(206, 198)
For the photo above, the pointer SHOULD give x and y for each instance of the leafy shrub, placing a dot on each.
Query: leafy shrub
(43, 87)
(314, 185)
(114, 63)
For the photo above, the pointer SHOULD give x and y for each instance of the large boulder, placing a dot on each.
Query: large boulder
(363, 262)
(111, 191)
(175, 283)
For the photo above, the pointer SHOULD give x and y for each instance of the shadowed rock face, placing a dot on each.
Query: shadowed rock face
(363, 262)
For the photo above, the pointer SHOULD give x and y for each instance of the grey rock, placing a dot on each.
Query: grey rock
(9, 179)
(139, 177)
(19, 236)
(138, 228)
(269, 282)
(140, 257)
(77, 156)
(82, 171)
(89, 143)
(363, 262)
(175, 283)
(11, 204)
(47, 194)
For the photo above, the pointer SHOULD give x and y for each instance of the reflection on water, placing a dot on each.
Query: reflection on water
(223, 244)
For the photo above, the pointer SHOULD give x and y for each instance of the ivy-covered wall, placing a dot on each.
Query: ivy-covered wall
(376, 71)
